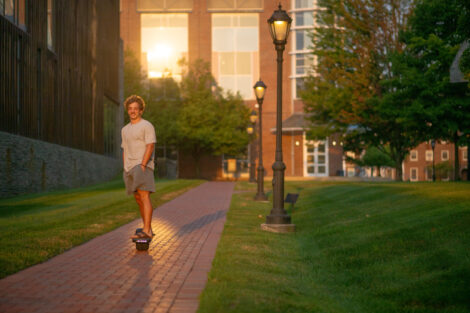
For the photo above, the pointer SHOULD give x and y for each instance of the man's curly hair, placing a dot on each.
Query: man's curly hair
(135, 98)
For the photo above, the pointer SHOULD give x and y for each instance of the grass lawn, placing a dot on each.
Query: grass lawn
(34, 228)
(359, 247)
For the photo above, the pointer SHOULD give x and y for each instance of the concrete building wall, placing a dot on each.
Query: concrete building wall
(29, 165)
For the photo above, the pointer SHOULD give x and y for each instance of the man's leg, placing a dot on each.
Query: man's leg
(138, 199)
(146, 209)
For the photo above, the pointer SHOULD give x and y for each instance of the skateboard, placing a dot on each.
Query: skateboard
(141, 244)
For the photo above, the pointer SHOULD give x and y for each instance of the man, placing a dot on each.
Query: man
(138, 143)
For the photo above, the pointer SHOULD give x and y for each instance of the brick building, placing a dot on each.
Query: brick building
(418, 165)
(60, 112)
(233, 36)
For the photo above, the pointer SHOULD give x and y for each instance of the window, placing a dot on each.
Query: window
(110, 113)
(315, 157)
(152, 6)
(15, 11)
(302, 28)
(234, 5)
(164, 42)
(429, 155)
(50, 25)
(465, 154)
(235, 52)
(428, 172)
(413, 174)
(445, 155)
(414, 155)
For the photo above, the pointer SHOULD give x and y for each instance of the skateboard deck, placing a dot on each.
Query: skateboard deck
(141, 244)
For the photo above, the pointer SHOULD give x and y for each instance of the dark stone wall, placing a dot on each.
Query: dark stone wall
(29, 165)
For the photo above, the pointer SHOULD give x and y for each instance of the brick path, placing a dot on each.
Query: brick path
(107, 274)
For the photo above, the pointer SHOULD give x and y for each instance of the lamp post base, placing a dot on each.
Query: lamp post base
(279, 228)
(278, 219)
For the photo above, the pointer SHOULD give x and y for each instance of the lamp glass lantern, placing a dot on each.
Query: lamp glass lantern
(279, 26)
(260, 90)
(253, 117)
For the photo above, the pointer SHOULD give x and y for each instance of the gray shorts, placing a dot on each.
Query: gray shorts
(138, 179)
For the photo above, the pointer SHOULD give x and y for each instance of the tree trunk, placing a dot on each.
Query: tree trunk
(456, 157)
(378, 171)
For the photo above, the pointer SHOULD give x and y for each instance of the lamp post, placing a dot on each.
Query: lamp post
(253, 118)
(260, 89)
(433, 145)
(278, 220)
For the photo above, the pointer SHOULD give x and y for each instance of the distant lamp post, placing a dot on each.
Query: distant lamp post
(278, 220)
(260, 90)
(433, 145)
(253, 118)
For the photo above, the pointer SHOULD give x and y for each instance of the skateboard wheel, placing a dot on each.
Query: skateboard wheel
(142, 246)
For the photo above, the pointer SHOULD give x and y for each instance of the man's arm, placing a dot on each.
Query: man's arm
(148, 153)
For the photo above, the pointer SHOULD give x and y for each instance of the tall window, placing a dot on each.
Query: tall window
(235, 52)
(15, 11)
(234, 5)
(302, 28)
(110, 111)
(445, 155)
(164, 42)
(50, 25)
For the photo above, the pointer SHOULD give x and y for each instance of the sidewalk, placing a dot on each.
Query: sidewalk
(107, 274)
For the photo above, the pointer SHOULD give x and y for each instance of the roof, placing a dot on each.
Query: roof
(456, 75)
(295, 122)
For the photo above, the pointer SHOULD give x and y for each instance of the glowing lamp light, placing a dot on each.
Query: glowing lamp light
(279, 26)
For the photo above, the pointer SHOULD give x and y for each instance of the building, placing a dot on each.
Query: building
(60, 83)
(233, 36)
(418, 165)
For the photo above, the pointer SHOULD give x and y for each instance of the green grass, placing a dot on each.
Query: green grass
(359, 247)
(34, 228)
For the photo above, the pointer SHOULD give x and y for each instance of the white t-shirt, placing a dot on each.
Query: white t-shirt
(135, 138)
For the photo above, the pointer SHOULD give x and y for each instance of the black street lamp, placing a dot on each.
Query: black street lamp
(278, 220)
(433, 145)
(260, 89)
(253, 118)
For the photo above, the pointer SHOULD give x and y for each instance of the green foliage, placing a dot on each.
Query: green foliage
(352, 45)
(375, 157)
(163, 109)
(133, 76)
(210, 121)
(194, 115)
(443, 170)
(387, 77)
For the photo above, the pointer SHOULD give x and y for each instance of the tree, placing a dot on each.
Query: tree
(375, 157)
(133, 76)
(352, 47)
(435, 33)
(210, 121)
(164, 105)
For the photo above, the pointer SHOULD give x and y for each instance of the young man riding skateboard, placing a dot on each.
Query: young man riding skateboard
(138, 143)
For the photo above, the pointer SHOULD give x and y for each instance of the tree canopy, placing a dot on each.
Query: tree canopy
(194, 115)
(382, 73)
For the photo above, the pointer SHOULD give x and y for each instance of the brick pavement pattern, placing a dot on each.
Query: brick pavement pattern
(107, 274)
